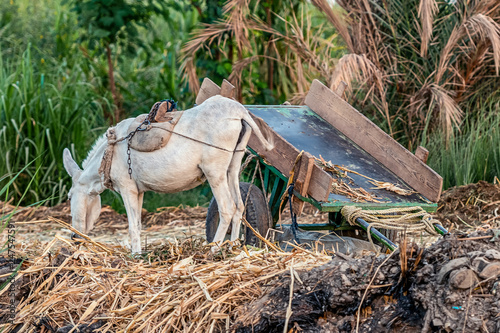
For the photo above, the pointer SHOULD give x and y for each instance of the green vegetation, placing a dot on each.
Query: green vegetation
(111, 23)
(426, 72)
(472, 154)
(42, 113)
(54, 89)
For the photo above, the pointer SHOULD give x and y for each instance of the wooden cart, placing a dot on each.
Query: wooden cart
(330, 128)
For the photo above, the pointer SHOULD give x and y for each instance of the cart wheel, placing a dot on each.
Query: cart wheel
(257, 214)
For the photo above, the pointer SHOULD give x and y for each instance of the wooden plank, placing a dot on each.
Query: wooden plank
(320, 185)
(306, 170)
(341, 88)
(302, 180)
(422, 154)
(283, 156)
(227, 89)
(374, 141)
(208, 89)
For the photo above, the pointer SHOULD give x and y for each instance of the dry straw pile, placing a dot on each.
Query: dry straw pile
(176, 287)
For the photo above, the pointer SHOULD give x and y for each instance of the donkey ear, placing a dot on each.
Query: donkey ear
(70, 165)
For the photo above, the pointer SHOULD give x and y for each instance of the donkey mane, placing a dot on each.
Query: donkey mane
(95, 148)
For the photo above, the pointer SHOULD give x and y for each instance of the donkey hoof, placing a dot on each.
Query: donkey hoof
(75, 237)
(215, 249)
(140, 254)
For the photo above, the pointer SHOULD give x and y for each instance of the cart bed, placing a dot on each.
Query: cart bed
(307, 131)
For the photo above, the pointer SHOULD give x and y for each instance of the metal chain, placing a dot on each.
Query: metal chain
(149, 118)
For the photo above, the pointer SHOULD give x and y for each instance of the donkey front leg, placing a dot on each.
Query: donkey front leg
(133, 206)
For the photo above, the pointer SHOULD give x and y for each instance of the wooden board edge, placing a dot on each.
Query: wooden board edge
(422, 154)
(208, 89)
(321, 184)
(302, 181)
(352, 123)
(227, 89)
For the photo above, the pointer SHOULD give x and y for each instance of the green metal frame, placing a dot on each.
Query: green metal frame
(332, 207)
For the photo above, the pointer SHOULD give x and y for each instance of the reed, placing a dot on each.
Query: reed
(471, 154)
(42, 112)
(54, 91)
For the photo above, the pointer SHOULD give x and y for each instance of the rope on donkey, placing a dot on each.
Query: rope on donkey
(107, 159)
(105, 168)
(408, 219)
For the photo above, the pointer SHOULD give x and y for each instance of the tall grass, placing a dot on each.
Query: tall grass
(41, 114)
(472, 154)
(54, 92)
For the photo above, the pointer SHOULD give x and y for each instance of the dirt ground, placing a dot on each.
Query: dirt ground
(167, 224)
(470, 206)
(448, 286)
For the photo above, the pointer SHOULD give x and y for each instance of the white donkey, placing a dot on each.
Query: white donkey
(209, 145)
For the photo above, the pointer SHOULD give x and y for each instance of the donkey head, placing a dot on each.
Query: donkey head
(85, 199)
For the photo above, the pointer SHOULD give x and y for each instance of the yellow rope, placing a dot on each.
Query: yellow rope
(408, 219)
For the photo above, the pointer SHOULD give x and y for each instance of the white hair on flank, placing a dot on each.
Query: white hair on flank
(95, 147)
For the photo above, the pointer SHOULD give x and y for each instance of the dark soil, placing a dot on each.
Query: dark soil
(429, 295)
(451, 286)
(16, 293)
(470, 206)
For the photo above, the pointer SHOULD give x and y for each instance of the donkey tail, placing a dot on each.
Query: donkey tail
(261, 130)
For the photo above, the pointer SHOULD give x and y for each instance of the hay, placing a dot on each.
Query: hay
(356, 194)
(177, 287)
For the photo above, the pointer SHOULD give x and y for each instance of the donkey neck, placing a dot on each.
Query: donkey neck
(90, 175)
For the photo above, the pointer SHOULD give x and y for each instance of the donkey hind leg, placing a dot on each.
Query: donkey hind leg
(132, 200)
(233, 177)
(227, 207)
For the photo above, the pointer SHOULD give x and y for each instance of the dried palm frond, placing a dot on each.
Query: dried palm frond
(239, 67)
(478, 27)
(486, 29)
(433, 99)
(337, 21)
(237, 12)
(365, 30)
(203, 38)
(360, 69)
(305, 46)
(450, 113)
(426, 12)
(354, 67)
(189, 68)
